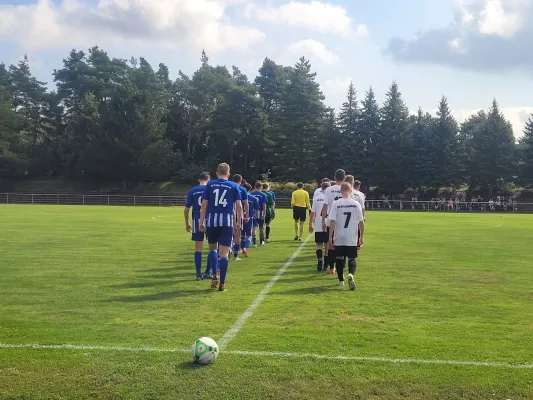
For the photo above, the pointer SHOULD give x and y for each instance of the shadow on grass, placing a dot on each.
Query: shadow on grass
(191, 274)
(139, 285)
(160, 296)
(191, 365)
(304, 291)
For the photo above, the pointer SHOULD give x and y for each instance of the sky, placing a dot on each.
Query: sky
(470, 51)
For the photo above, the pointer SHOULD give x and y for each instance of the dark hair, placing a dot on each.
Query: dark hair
(325, 185)
(258, 185)
(325, 180)
(340, 175)
(300, 185)
(237, 178)
(266, 186)
(204, 176)
(357, 184)
(247, 186)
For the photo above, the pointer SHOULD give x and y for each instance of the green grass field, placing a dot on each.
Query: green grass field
(449, 287)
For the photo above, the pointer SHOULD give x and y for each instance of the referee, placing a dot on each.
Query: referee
(300, 206)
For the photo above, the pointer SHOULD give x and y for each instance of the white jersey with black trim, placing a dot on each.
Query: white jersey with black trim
(318, 203)
(359, 197)
(347, 213)
(332, 193)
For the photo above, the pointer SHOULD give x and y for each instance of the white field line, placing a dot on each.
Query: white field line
(274, 354)
(230, 334)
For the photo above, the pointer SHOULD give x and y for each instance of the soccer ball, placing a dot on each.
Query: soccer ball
(204, 351)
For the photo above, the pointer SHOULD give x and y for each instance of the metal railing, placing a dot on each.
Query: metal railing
(281, 202)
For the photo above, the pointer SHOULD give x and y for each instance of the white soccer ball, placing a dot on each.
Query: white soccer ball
(204, 351)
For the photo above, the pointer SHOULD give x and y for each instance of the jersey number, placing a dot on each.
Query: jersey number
(220, 199)
(348, 218)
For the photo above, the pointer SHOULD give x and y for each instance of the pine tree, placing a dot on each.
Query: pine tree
(351, 149)
(369, 130)
(394, 147)
(444, 150)
(526, 153)
(423, 171)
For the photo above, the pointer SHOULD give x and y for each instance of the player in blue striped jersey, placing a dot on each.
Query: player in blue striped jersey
(244, 199)
(253, 207)
(260, 221)
(221, 209)
(194, 201)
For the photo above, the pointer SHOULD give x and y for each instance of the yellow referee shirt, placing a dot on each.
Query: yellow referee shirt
(300, 198)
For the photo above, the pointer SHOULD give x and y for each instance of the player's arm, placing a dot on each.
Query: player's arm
(361, 229)
(246, 207)
(273, 202)
(308, 202)
(238, 212)
(203, 211)
(324, 213)
(293, 199)
(332, 223)
(186, 215)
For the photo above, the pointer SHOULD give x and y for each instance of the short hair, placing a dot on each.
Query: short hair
(340, 175)
(247, 186)
(223, 169)
(357, 184)
(258, 185)
(326, 180)
(237, 178)
(204, 176)
(300, 185)
(346, 187)
(350, 179)
(266, 186)
(325, 185)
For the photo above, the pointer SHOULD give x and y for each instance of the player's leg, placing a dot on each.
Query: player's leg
(237, 245)
(340, 250)
(332, 258)
(351, 255)
(225, 238)
(262, 232)
(212, 258)
(254, 232)
(246, 234)
(267, 229)
(318, 247)
(198, 248)
(302, 219)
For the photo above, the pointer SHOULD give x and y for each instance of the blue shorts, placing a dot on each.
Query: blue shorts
(197, 236)
(223, 235)
(247, 228)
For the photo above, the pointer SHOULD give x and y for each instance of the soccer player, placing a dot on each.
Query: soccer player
(260, 221)
(194, 201)
(300, 205)
(357, 187)
(332, 193)
(319, 190)
(321, 236)
(270, 210)
(346, 221)
(244, 199)
(355, 194)
(221, 209)
(246, 234)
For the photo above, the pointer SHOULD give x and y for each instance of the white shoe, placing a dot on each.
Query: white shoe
(236, 259)
(262, 243)
(351, 282)
(340, 283)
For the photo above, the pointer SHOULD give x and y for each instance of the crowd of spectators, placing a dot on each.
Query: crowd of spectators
(456, 203)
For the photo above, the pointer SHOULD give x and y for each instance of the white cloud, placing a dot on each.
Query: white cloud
(315, 15)
(196, 23)
(337, 86)
(457, 45)
(313, 49)
(500, 20)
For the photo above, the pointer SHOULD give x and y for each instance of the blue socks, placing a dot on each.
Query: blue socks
(246, 243)
(236, 249)
(212, 260)
(243, 243)
(223, 269)
(198, 263)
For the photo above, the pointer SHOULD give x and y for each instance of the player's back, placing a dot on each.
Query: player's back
(253, 205)
(194, 200)
(347, 214)
(358, 196)
(332, 193)
(221, 196)
(319, 200)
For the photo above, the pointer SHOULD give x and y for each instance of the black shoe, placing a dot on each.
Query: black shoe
(320, 265)
(296, 238)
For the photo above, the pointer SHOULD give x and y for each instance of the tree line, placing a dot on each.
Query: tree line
(112, 119)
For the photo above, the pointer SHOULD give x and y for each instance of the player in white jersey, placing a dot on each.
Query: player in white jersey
(321, 236)
(346, 221)
(319, 190)
(357, 187)
(331, 194)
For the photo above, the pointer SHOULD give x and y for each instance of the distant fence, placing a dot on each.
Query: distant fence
(281, 202)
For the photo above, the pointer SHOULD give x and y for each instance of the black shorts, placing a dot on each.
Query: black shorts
(346, 251)
(299, 214)
(321, 237)
(268, 220)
